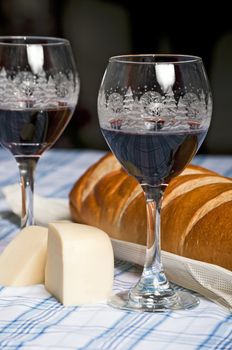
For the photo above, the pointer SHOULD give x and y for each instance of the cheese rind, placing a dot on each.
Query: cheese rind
(23, 261)
(80, 264)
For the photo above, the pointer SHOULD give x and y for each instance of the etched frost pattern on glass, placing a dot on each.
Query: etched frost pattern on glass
(27, 90)
(151, 104)
(155, 110)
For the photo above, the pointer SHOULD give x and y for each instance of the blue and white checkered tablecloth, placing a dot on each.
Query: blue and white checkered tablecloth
(30, 318)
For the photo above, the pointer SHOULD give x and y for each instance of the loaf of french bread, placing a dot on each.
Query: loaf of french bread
(196, 212)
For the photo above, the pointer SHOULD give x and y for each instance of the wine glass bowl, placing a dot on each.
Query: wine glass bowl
(39, 88)
(154, 112)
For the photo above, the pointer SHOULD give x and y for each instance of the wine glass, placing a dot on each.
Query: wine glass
(39, 88)
(154, 112)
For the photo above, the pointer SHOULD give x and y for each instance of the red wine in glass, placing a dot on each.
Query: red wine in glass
(29, 132)
(156, 157)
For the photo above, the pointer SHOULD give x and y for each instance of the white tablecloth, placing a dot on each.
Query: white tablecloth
(30, 318)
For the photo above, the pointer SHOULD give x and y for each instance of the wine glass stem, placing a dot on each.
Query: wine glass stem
(153, 282)
(26, 169)
(153, 252)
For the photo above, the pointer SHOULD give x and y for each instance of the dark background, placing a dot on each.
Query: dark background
(99, 29)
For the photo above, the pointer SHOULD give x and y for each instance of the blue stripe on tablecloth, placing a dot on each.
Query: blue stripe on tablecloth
(26, 330)
(15, 320)
(208, 342)
(122, 267)
(226, 343)
(42, 331)
(188, 336)
(31, 323)
(136, 321)
(149, 330)
(107, 332)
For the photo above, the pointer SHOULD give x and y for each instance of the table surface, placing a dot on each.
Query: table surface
(30, 318)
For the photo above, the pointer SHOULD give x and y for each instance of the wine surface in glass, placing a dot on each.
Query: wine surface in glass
(30, 132)
(157, 156)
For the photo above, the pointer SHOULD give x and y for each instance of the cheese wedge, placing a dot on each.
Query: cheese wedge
(23, 261)
(80, 264)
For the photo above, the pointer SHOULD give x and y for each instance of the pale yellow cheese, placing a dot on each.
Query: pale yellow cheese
(23, 260)
(80, 264)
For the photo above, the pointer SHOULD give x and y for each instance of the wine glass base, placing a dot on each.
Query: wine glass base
(178, 301)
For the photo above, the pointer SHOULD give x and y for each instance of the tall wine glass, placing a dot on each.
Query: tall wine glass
(154, 112)
(39, 87)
